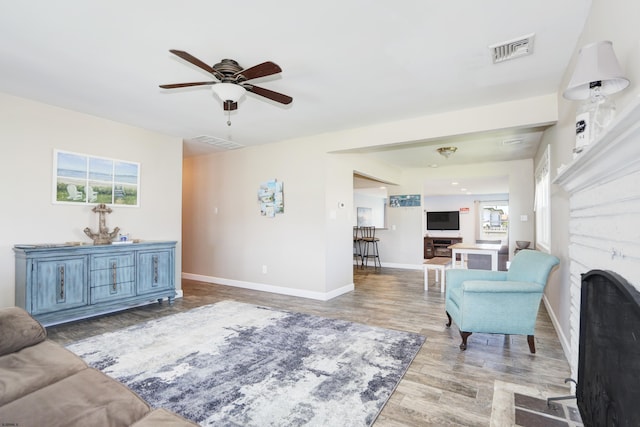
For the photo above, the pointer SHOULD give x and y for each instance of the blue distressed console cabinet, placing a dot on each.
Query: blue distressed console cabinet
(60, 283)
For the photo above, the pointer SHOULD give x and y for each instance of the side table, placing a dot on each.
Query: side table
(439, 264)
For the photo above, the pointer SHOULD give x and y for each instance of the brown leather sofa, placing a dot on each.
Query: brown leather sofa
(44, 384)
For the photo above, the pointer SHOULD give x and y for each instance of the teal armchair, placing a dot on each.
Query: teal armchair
(499, 302)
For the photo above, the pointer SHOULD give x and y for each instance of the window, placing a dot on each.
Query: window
(541, 204)
(493, 219)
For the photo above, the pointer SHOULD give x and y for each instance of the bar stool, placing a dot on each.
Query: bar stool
(357, 245)
(370, 249)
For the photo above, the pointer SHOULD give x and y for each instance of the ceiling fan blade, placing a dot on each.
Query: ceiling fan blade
(265, 69)
(274, 96)
(177, 85)
(195, 61)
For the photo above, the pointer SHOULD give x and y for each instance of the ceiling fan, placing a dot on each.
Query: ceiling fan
(232, 80)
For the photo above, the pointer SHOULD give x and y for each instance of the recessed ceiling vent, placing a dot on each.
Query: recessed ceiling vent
(220, 143)
(510, 142)
(522, 46)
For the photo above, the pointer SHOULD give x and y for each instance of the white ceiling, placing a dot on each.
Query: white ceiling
(498, 184)
(346, 63)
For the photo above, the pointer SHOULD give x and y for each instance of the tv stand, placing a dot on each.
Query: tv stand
(439, 246)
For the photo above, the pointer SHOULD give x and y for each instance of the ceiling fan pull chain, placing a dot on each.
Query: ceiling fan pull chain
(229, 118)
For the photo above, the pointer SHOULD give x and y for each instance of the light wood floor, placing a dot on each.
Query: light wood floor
(443, 385)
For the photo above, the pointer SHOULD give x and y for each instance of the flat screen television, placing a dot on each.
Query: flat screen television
(445, 220)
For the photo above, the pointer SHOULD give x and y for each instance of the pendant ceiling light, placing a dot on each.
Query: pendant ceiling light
(447, 151)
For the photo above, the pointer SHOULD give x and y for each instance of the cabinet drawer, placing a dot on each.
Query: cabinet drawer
(111, 275)
(99, 262)
(112, 292)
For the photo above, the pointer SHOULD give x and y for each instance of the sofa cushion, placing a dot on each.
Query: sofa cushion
(87, 398)
(18, 330)
(163, 418)
(35, 367)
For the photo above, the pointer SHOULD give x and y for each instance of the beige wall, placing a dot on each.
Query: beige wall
(614, 20)
(226, 238)
(30, 131)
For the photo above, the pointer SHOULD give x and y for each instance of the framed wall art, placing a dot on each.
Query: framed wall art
(83, 179)
(409, 200)
(365, 216)
(271, 198)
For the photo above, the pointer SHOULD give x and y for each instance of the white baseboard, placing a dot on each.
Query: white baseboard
(394, 265)
(403, 266)
(564, 342)
(322, 296)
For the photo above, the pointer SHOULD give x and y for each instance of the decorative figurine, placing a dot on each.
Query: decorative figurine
(103, 237)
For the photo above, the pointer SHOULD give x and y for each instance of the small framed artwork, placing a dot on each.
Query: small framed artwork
(409, 200)
(365, 217)
(271, 198)
(81, 179)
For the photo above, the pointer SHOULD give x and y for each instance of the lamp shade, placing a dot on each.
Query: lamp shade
(596, 62)
(228, 91)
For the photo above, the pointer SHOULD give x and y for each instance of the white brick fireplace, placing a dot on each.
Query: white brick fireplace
(603, 184)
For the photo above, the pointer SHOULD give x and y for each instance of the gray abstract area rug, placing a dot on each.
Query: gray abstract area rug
(236, 364)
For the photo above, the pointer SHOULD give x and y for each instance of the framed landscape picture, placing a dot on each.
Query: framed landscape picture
(82, 179)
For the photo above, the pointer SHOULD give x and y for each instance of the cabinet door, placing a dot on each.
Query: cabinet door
(59, 284)
(428, 248)
(155, 271)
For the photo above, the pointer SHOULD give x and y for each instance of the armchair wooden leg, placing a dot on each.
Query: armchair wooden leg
(532, 344)
(464, 335)
(449, 317)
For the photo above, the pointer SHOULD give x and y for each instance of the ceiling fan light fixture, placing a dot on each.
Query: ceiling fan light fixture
(447, 151)
(228, 91)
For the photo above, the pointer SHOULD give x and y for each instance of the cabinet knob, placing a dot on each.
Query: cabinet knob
(62, 282)
(114, 275)
(155, 269)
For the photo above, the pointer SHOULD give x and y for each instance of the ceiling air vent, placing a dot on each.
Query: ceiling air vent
(510, 142)
(223, 144)
(512, 49)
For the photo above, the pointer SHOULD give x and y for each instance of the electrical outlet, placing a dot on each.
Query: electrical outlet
(264, 269)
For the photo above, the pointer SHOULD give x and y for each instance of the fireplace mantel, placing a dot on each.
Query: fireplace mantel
(615, 154)
(603, 187)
